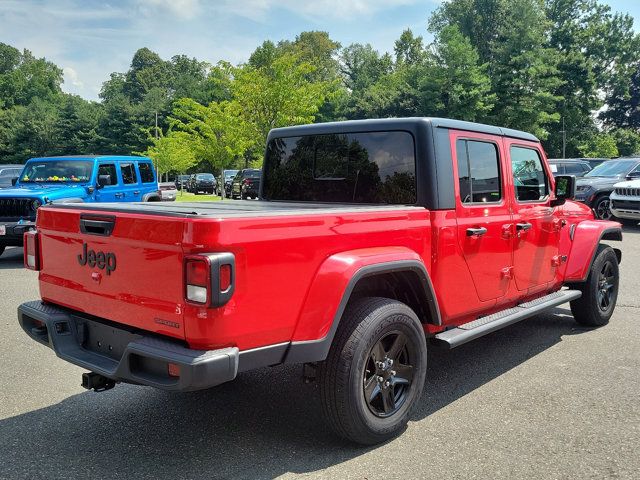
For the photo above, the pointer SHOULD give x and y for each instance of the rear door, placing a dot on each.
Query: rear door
(483, 212)
(537, 225)
(131, 187)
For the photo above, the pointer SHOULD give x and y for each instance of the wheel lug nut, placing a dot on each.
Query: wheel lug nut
(390, 362)
(380, 379)
(392, 372)
(387, 383)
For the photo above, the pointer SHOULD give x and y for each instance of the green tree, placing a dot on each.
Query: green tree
(601, 145)
(454, 83)
(277, 96)
(172, 153)
(409, 49)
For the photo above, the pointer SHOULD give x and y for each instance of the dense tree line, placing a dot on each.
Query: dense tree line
(561, 69)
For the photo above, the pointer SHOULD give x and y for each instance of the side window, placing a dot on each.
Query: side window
(478, 171)
(574, 168)
(128, 173)
(108, 169)
(146, 172)
(529, 178)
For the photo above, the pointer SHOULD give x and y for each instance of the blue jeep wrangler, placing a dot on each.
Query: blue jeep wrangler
(92, 178)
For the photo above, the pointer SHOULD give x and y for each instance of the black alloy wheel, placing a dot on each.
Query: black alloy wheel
(602, 208)
(388, 374)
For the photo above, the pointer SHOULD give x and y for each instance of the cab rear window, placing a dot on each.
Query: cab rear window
(371, 167)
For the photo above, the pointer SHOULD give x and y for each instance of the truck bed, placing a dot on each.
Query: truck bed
(231, 208)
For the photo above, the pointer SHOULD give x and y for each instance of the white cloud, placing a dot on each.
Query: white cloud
(71, 77)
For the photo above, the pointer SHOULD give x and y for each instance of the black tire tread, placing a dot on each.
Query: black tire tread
(584, 310)
(334, 372)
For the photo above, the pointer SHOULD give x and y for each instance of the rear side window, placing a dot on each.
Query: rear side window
(108, 169)
(372, 167)
(478, 171)
(574, 168)
(128, 173)
(146, 172)
(530, 181)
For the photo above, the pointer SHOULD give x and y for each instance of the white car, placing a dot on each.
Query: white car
(625, 201)
(168, 191)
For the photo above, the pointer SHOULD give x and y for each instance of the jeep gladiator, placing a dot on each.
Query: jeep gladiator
(371, 241)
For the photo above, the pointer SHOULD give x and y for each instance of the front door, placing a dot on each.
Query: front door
(483, 212)
(111, 192)
(537, 234)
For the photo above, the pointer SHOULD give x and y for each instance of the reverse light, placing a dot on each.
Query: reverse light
(197, 280)
(209, 278)
(31, 250)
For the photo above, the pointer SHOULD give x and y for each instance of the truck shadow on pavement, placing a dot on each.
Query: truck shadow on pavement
(264, 424)
(11, 259)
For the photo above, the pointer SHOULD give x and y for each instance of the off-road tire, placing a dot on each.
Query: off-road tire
(600, 292)
(365, 324)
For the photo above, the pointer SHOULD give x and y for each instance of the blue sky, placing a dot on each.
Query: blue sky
(90, 39)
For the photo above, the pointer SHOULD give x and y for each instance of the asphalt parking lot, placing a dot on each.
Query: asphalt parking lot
(540, 399)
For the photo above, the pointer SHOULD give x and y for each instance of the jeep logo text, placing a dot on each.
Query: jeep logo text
(101, 260)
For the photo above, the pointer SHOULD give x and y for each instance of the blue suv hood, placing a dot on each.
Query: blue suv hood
(51, 192)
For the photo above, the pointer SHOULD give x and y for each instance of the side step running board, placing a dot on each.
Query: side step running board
(484, 325)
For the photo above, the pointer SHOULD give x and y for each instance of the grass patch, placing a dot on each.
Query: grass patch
(192, 197)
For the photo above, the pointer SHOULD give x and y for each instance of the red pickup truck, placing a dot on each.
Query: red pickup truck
(372, 240)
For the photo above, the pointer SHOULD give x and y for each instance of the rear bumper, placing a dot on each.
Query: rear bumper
(125, 355)
(14, 233)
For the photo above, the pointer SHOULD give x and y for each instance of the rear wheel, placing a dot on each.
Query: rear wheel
(375, 371)
(600, 291)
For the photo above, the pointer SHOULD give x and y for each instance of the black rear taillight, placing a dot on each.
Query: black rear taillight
(31, 250)
(209, 278)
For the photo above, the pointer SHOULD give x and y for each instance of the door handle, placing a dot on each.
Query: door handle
(523, 227)
(476, 232)
(119, 195)
(136, 192)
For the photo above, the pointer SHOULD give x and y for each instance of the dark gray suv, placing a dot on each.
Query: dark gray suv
(595, 187)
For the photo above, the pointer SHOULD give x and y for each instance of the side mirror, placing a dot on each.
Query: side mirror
(14, 180)
(565, 189)
(104, 180)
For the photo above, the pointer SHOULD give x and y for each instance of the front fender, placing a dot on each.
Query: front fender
(331, 289)
(585, 239)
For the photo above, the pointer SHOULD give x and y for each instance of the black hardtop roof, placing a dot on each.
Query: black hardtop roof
(378, 124)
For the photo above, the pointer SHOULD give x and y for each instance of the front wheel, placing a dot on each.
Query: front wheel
(375, 371)
(602, 207)
(600, 292)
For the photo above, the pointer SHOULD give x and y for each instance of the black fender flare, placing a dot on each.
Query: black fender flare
(317, 350)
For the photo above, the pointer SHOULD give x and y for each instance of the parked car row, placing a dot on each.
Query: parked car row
(237, 184)
(610, 181)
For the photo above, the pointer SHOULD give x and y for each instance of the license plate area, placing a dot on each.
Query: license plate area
(103, 339)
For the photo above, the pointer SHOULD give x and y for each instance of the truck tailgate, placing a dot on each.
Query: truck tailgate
(131, 274)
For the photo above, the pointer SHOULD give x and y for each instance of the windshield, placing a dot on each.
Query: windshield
(57, 171)
(612, 168)
(229, 174)
(205, 176)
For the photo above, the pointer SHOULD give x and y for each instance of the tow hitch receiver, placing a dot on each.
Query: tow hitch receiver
(96, 382)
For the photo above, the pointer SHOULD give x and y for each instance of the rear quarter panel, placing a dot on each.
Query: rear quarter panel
(277, 259)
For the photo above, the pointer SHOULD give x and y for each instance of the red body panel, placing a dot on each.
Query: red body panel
(291, 270)
(585, 242)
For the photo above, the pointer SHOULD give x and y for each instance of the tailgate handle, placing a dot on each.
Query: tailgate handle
(97, 225)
